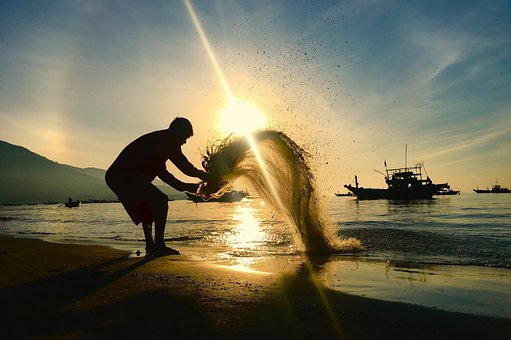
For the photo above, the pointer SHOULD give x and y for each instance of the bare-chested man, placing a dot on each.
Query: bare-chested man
(130, 176)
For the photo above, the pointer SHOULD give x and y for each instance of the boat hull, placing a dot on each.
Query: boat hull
(394, 193)
(448, 192)
(405, 183)
(72, 204)
(487, 191)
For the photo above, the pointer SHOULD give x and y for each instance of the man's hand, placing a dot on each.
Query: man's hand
(191, 187)
(204, 176)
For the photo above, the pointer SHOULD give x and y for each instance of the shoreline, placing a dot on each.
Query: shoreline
(62, 290)
(469, 289)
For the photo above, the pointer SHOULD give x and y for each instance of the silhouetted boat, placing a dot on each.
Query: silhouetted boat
(496, 189)
(72, 204)
(403, 184)
(229, 196)
(343, 195)
(448, 192)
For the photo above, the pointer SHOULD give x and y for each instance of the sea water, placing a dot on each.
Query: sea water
(452, 253)
(468, 229)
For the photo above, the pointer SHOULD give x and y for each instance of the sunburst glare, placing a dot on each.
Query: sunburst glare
(241, 117)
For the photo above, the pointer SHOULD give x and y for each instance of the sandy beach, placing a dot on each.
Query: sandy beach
(53, 290)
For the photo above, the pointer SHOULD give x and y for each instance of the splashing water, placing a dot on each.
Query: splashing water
(278, 170)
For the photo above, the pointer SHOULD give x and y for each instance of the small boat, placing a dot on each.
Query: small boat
(72, 204)
(496, 189)
(448, 192)
(229, 196)
(344, 194)
(402, 184)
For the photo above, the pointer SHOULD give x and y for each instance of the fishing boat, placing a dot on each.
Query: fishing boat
(343, 194)
(496, 189)
(402, 184)
(72, 204)
(229, 196)
(448, 192)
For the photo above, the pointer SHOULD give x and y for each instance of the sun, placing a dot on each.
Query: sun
(241, 117)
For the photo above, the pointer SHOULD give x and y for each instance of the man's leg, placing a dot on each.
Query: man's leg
(160, 207)
(160, 220)
(160, 211)
(148, 234)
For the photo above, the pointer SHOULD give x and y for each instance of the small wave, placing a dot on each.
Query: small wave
(423, 246)
(34, 233)
(283, 243)
(198, 221)
(246, 253)
(7, 218)
(122, 238)
(183, 238)
(117, 237)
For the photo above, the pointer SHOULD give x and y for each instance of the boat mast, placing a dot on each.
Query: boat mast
(406, 157)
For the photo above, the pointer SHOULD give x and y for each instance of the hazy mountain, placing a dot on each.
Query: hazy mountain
(26, 177)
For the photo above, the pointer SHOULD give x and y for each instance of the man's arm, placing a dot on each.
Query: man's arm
(183, 164)
(168, 178)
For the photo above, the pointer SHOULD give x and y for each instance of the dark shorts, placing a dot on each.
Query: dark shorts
(141, 199)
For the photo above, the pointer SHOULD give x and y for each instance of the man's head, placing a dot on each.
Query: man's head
(181, 128)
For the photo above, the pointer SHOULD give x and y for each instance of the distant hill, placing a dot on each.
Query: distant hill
(26, 177)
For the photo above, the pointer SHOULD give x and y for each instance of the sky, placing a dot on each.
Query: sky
(353, 82)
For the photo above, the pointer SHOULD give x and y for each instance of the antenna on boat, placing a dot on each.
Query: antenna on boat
(406, 157)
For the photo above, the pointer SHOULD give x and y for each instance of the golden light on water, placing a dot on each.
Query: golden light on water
(247, 232)
(244, 269)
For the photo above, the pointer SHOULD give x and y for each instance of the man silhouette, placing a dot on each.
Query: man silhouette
(131, 174)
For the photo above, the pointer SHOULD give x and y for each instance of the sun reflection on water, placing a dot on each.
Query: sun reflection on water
(247, 232)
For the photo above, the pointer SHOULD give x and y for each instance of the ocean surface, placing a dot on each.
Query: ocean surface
(468, 229)
(414, 238)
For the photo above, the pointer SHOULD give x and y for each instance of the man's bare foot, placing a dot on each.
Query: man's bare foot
(149, 249)
(163, 251)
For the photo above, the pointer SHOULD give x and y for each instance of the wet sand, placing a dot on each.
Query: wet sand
(73, 291)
